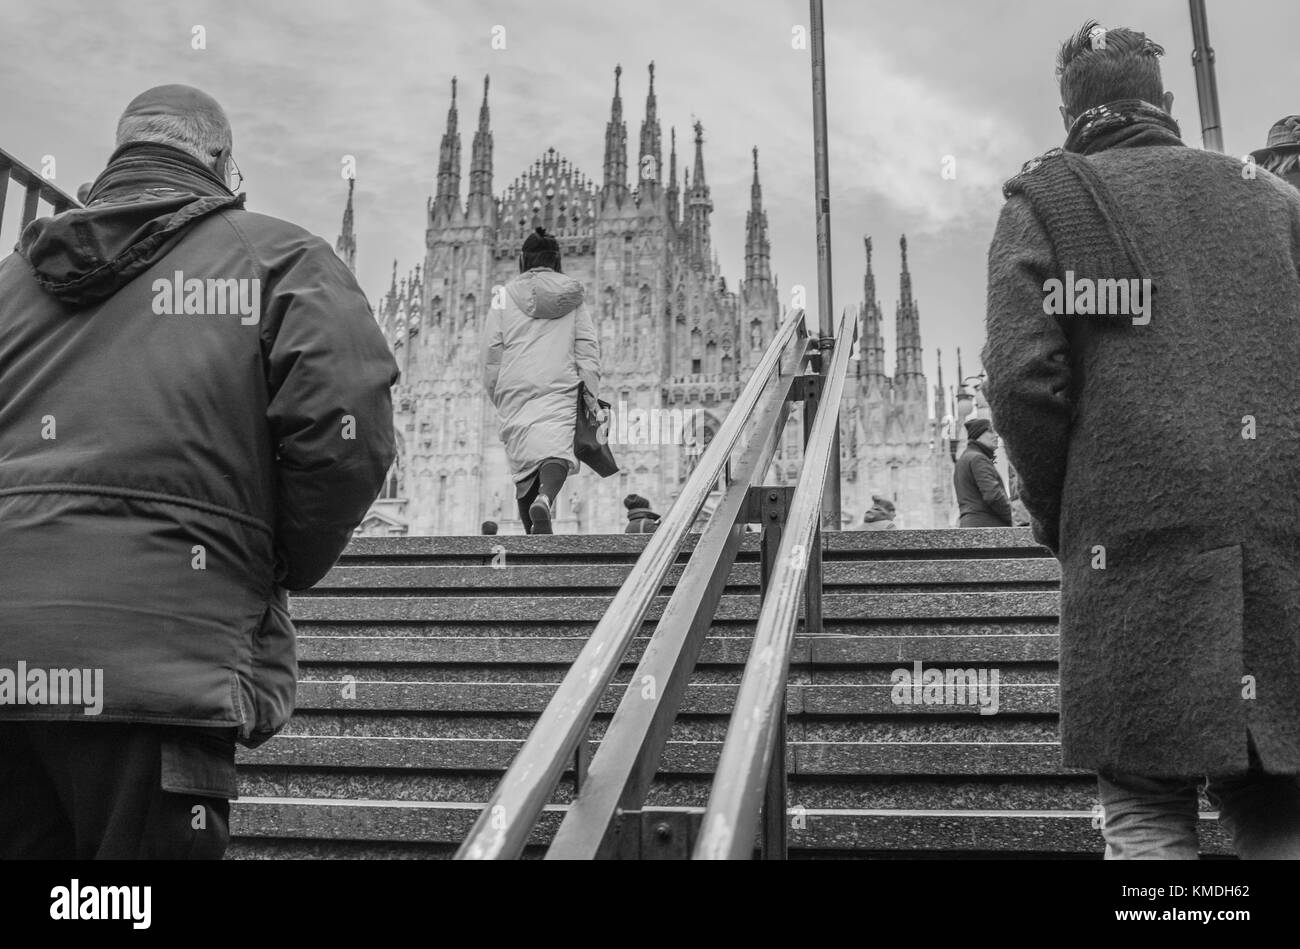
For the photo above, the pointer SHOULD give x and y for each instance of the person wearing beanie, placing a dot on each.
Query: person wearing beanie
(537, 349)
(981, 497)
(880, 516)
(640, 519)
(199, 472)
(1281, 155)
(489, 527)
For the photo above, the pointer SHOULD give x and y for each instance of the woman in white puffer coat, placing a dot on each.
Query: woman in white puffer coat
(537, 347)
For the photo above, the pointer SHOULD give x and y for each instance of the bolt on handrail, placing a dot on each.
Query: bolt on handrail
(503, 827)
(731, 818)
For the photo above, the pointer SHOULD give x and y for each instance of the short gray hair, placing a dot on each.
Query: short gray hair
(200, 134)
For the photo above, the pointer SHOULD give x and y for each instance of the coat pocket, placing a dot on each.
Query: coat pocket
(1168, 700)
(273, 678)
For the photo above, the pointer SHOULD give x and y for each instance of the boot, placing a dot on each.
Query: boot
(540, 514)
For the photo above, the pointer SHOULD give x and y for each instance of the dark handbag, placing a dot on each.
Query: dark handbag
(591, 437)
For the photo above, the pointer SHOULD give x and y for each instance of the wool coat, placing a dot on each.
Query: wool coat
(537, 347)
(1161, 464)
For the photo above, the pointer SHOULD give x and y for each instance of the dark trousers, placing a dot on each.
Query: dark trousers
(548, 480)
(114, 791)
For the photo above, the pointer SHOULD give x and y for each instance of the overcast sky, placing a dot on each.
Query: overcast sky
(909, 83)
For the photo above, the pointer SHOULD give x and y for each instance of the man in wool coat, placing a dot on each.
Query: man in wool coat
(1180, 615)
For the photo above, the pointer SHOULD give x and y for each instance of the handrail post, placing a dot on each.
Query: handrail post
(813, 584)
(831, 499)
(773, 505)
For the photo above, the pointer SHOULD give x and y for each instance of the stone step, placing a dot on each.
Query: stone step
(839, 606)
(526, 579)
(691, 789)
(315, 650)
(700, 698)
(680, 757)
(615, 548)
(311, 723)
(993, 832)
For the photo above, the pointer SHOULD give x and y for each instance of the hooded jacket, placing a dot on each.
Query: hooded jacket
(537, 347)
(196, 415)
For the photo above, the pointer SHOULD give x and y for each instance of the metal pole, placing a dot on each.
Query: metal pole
(821, 170)
(1207, 88)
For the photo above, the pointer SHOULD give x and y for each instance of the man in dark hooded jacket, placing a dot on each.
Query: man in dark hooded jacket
(196, 416)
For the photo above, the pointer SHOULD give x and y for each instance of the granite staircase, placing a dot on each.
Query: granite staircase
(425, 662)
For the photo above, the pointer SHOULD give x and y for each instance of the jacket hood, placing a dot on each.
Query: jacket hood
(84, 256)
(641, 513)
(544, 294)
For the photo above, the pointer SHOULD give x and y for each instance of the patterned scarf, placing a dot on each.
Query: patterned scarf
(1124, 123)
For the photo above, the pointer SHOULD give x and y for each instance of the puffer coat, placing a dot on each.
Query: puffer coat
(536, 349)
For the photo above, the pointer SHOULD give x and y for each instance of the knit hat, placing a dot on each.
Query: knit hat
(539, 242)
(976, 427)
(634, 501)
(883, 503)
(1283, 138)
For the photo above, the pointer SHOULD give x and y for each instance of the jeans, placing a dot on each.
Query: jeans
(1156, 818)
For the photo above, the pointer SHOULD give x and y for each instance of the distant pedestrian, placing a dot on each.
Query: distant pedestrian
(981, 496)
(640, 519)
(1281, 155)
(489, 527)
(880, 516)
(537, 347)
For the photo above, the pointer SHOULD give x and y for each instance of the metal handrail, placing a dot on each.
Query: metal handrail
(503, 827)
(731, 818)
(623, 766)
(37, 189)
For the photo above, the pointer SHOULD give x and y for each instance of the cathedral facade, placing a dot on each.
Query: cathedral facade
(677, 344)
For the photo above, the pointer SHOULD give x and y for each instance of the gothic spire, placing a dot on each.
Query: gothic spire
(939, 410)
(672, 180)
(872, 352)
(907, 326)
(447, 201)
(650, 161)
(346, 246)
(480, 167)
(698, 208)
(615, 148)
(757, 249)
